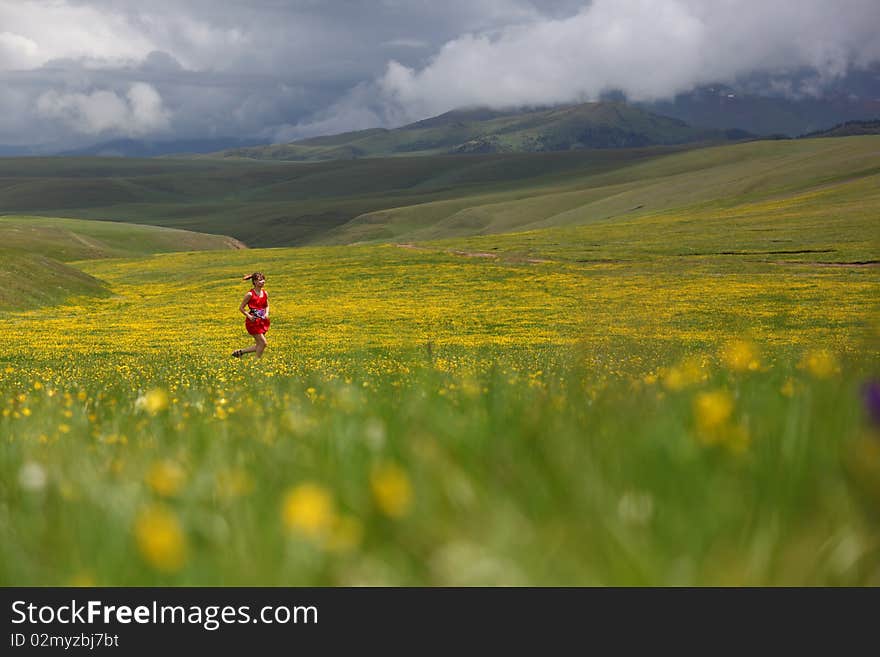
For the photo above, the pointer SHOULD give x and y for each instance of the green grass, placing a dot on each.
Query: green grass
(834, 224)
(609, 205)
(275, 204)
(570, 476)
(664, 397)
(695, 182)
(73, 239)
(406, 199)
(35, 251)
(544, 419)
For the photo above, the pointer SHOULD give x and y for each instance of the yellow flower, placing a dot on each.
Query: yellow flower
(392, 490)
(821, 363)
(687, 373)
(712, 413)
(740, 356)
(712, 409)
(166, 478)
(788, 388)
(471, 387)
(673, 379)
(160, 539)
(153, 401)
(308, 509)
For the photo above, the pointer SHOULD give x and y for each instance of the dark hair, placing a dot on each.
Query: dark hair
(251, 277)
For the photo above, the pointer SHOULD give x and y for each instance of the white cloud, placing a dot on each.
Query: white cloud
(17, 51)
(39, 32)
(291, 68)
(36, 32)
(360, 109)
(147, 113)
(139, 112)
(649, 49)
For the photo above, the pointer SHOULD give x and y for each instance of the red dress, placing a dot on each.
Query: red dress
(259, 303)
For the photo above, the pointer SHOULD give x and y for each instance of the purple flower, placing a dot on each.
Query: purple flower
(871, 398)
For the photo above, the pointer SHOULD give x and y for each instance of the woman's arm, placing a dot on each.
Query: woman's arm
(243, 307)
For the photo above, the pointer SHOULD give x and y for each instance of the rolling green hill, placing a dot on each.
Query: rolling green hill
(700, 180)
(277, 203)
(35, 252)
(588, 125)
(426, 198)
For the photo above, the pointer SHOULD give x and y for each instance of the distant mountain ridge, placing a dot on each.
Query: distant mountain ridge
(481, 130)
(154, 148)
(720, 106)
(847, 129)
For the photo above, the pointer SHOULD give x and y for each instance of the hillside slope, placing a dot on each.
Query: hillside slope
(722, 177)
(403, 199)
(277, 203)
(35, 252)
(588, 125)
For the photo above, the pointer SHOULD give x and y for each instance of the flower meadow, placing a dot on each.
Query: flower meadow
(429, 417)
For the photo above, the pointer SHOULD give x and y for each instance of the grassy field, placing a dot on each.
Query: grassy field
(426, 416)
(694, 185)
(683, 393)
(35, 252)
(278, 204)
(428, 198)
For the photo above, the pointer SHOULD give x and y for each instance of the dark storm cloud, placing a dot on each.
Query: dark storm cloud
(89, 69)
(649, 49)
(84, 70)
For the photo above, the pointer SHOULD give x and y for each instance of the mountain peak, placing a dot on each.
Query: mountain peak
(603, 124)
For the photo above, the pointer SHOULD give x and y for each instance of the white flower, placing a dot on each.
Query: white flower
(32, 477)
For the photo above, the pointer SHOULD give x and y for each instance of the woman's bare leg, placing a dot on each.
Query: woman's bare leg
(260, 345)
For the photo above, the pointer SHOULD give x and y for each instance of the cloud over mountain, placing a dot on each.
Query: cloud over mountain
(138, 113)
(648, 49)
(72, 69)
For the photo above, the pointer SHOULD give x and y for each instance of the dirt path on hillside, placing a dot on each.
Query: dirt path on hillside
(477, 254)
(518, 259)
(866, 263)
(235, 244)
(465, 254)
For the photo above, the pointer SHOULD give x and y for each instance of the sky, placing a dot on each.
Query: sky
(74, 72)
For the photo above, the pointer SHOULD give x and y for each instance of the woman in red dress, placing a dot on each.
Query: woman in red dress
(255, 308)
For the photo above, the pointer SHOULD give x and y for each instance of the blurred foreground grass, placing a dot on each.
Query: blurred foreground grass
(543, 467)
(429, 418)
